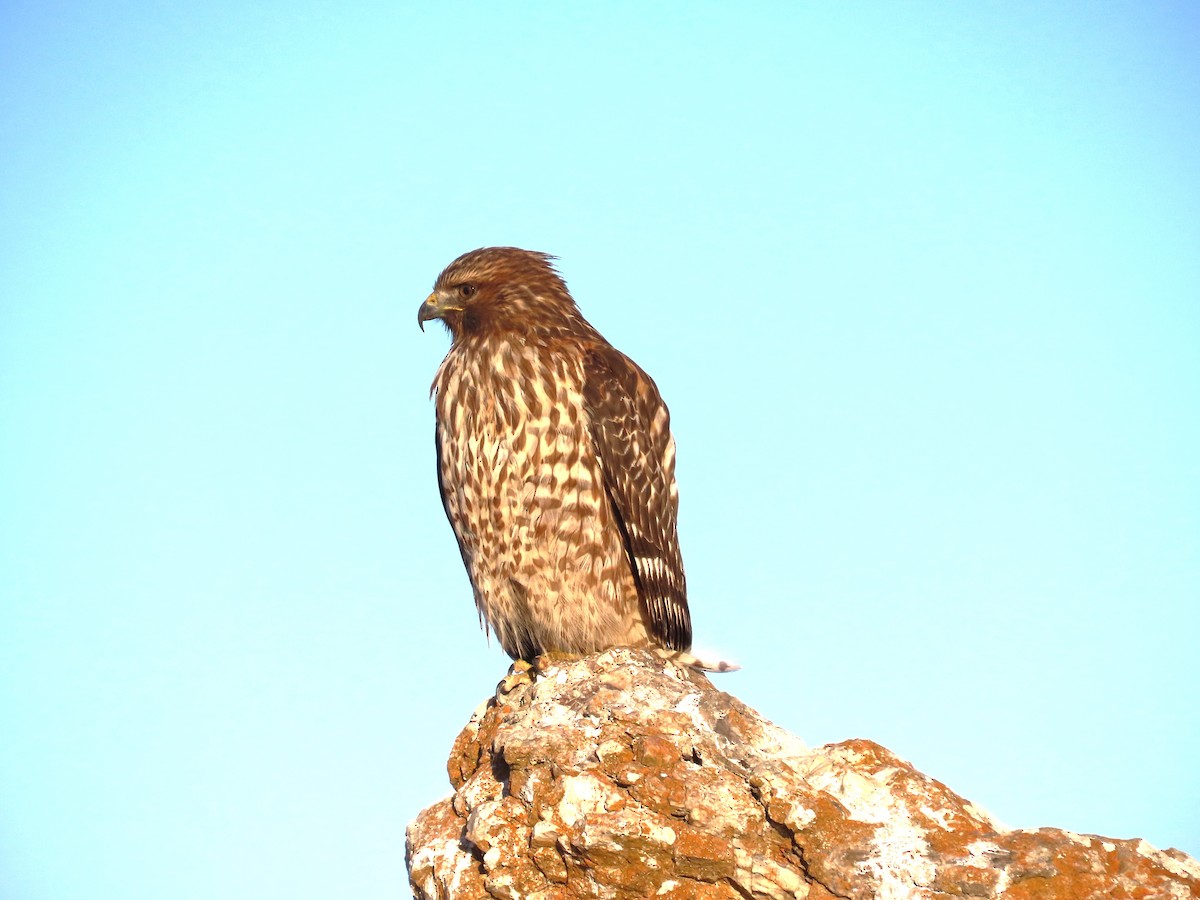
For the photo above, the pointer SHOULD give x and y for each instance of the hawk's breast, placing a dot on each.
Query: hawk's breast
(524, 492)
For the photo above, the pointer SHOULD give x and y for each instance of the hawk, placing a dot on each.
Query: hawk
(556, 466)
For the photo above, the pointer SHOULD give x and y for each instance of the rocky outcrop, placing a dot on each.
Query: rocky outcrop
(623, 776)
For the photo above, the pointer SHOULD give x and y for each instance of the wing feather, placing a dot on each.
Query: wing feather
(631, 429)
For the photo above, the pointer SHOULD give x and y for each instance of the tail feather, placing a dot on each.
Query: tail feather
(685, 658)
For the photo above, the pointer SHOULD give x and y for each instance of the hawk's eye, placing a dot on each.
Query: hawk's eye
(467, 290)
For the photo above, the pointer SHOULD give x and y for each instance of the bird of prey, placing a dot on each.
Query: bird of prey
(556, 466)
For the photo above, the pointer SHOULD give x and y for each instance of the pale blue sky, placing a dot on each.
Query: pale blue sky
(920, 283)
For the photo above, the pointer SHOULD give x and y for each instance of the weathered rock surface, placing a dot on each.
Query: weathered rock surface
(624, 776)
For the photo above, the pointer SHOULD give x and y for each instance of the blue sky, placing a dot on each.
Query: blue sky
(920, 284)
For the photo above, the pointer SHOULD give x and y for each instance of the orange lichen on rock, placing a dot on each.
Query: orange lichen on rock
(621, 775)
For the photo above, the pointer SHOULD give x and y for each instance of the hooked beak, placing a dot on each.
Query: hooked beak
(432, 308)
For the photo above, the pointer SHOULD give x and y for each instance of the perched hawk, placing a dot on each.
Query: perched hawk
(556, 466)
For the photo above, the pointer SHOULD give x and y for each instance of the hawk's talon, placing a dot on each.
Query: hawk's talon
(552, 659)
(519, 673)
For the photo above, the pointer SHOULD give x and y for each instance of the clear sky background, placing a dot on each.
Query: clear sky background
(920, 283)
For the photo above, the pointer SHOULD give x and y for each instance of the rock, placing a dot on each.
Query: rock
(621, 775)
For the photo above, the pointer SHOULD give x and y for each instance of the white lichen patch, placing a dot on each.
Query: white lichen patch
(940, 816)
(798, 817)
(980, 854)
(529, 787)
(900, 861)
(583, 795)
(479, 789)
(983, 855)
(1183, 868)
(478, 714)
(760, 876)
(617, 831)
(444, 867)
(544, 833)
(689, 705)
(863, 796)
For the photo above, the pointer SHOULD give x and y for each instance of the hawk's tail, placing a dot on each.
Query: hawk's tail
(684, 658)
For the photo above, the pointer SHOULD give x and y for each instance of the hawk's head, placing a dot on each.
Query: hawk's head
(496, 288)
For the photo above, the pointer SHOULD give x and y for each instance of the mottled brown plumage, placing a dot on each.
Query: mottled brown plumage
(556, 466)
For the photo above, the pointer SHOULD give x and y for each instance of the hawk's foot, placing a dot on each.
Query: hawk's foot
(544, 662)
(519, 673)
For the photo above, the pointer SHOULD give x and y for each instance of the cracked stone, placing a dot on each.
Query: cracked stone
(622, 776)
